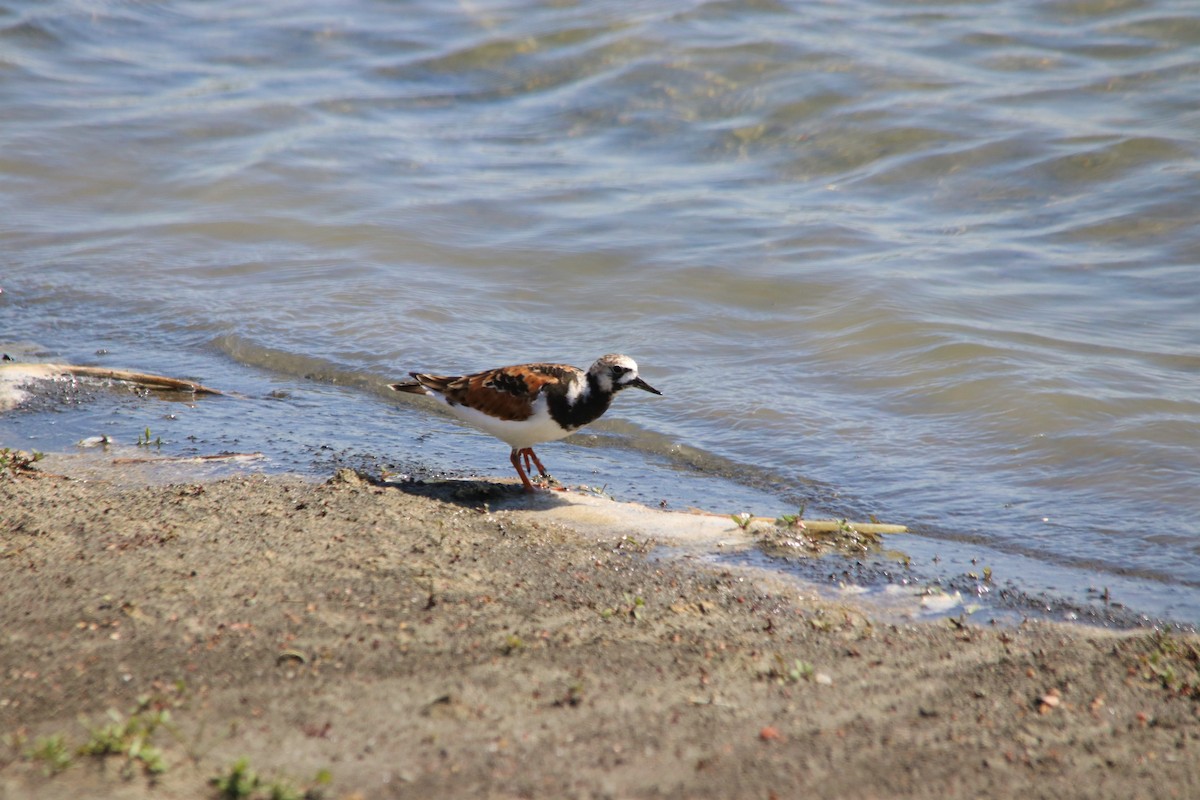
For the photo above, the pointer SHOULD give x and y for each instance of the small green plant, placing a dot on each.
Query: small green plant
(240, 782)
(1174, 662)
(792, 520)
(16, 462)
(53, 752)
(283, 790)
(801, 671)
(512, 644)
(742, 520)
(630, 544)
(634, 607)
(798, 670)
(129, 736)
(236, 783)
(145, 440)
(638, 609)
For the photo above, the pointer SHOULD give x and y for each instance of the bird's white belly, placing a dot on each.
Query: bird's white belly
(539, 427)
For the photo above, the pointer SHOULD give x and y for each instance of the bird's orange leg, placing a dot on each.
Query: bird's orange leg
(529, 454)
(515, 458)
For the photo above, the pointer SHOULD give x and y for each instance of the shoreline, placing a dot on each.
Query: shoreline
(1022, 584)
(367, 640)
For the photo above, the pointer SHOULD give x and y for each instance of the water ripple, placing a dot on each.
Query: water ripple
(935, 262)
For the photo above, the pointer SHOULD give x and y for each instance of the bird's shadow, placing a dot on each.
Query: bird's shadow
(474, 493)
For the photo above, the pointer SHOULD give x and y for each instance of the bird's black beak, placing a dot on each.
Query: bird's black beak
(641, 384)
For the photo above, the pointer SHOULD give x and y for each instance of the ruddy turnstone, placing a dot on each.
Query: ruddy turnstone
(528, 404)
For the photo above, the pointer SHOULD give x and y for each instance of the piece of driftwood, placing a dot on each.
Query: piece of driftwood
(107, 373)
(819, 525)
(190, 459)
(835, 525)
(139, 378)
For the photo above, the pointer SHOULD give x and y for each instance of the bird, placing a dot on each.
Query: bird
(527, 404)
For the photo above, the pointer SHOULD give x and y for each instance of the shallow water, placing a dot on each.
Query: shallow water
(935, 262)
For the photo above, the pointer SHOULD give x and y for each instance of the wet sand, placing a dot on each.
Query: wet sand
(360, 640)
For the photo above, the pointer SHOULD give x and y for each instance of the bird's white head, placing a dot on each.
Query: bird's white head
(615, 372)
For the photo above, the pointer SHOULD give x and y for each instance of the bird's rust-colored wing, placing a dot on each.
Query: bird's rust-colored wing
(505, 393)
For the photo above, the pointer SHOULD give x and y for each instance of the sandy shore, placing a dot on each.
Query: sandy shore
(359, 640)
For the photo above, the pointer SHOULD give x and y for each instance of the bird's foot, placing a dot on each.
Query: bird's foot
(531, 460)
